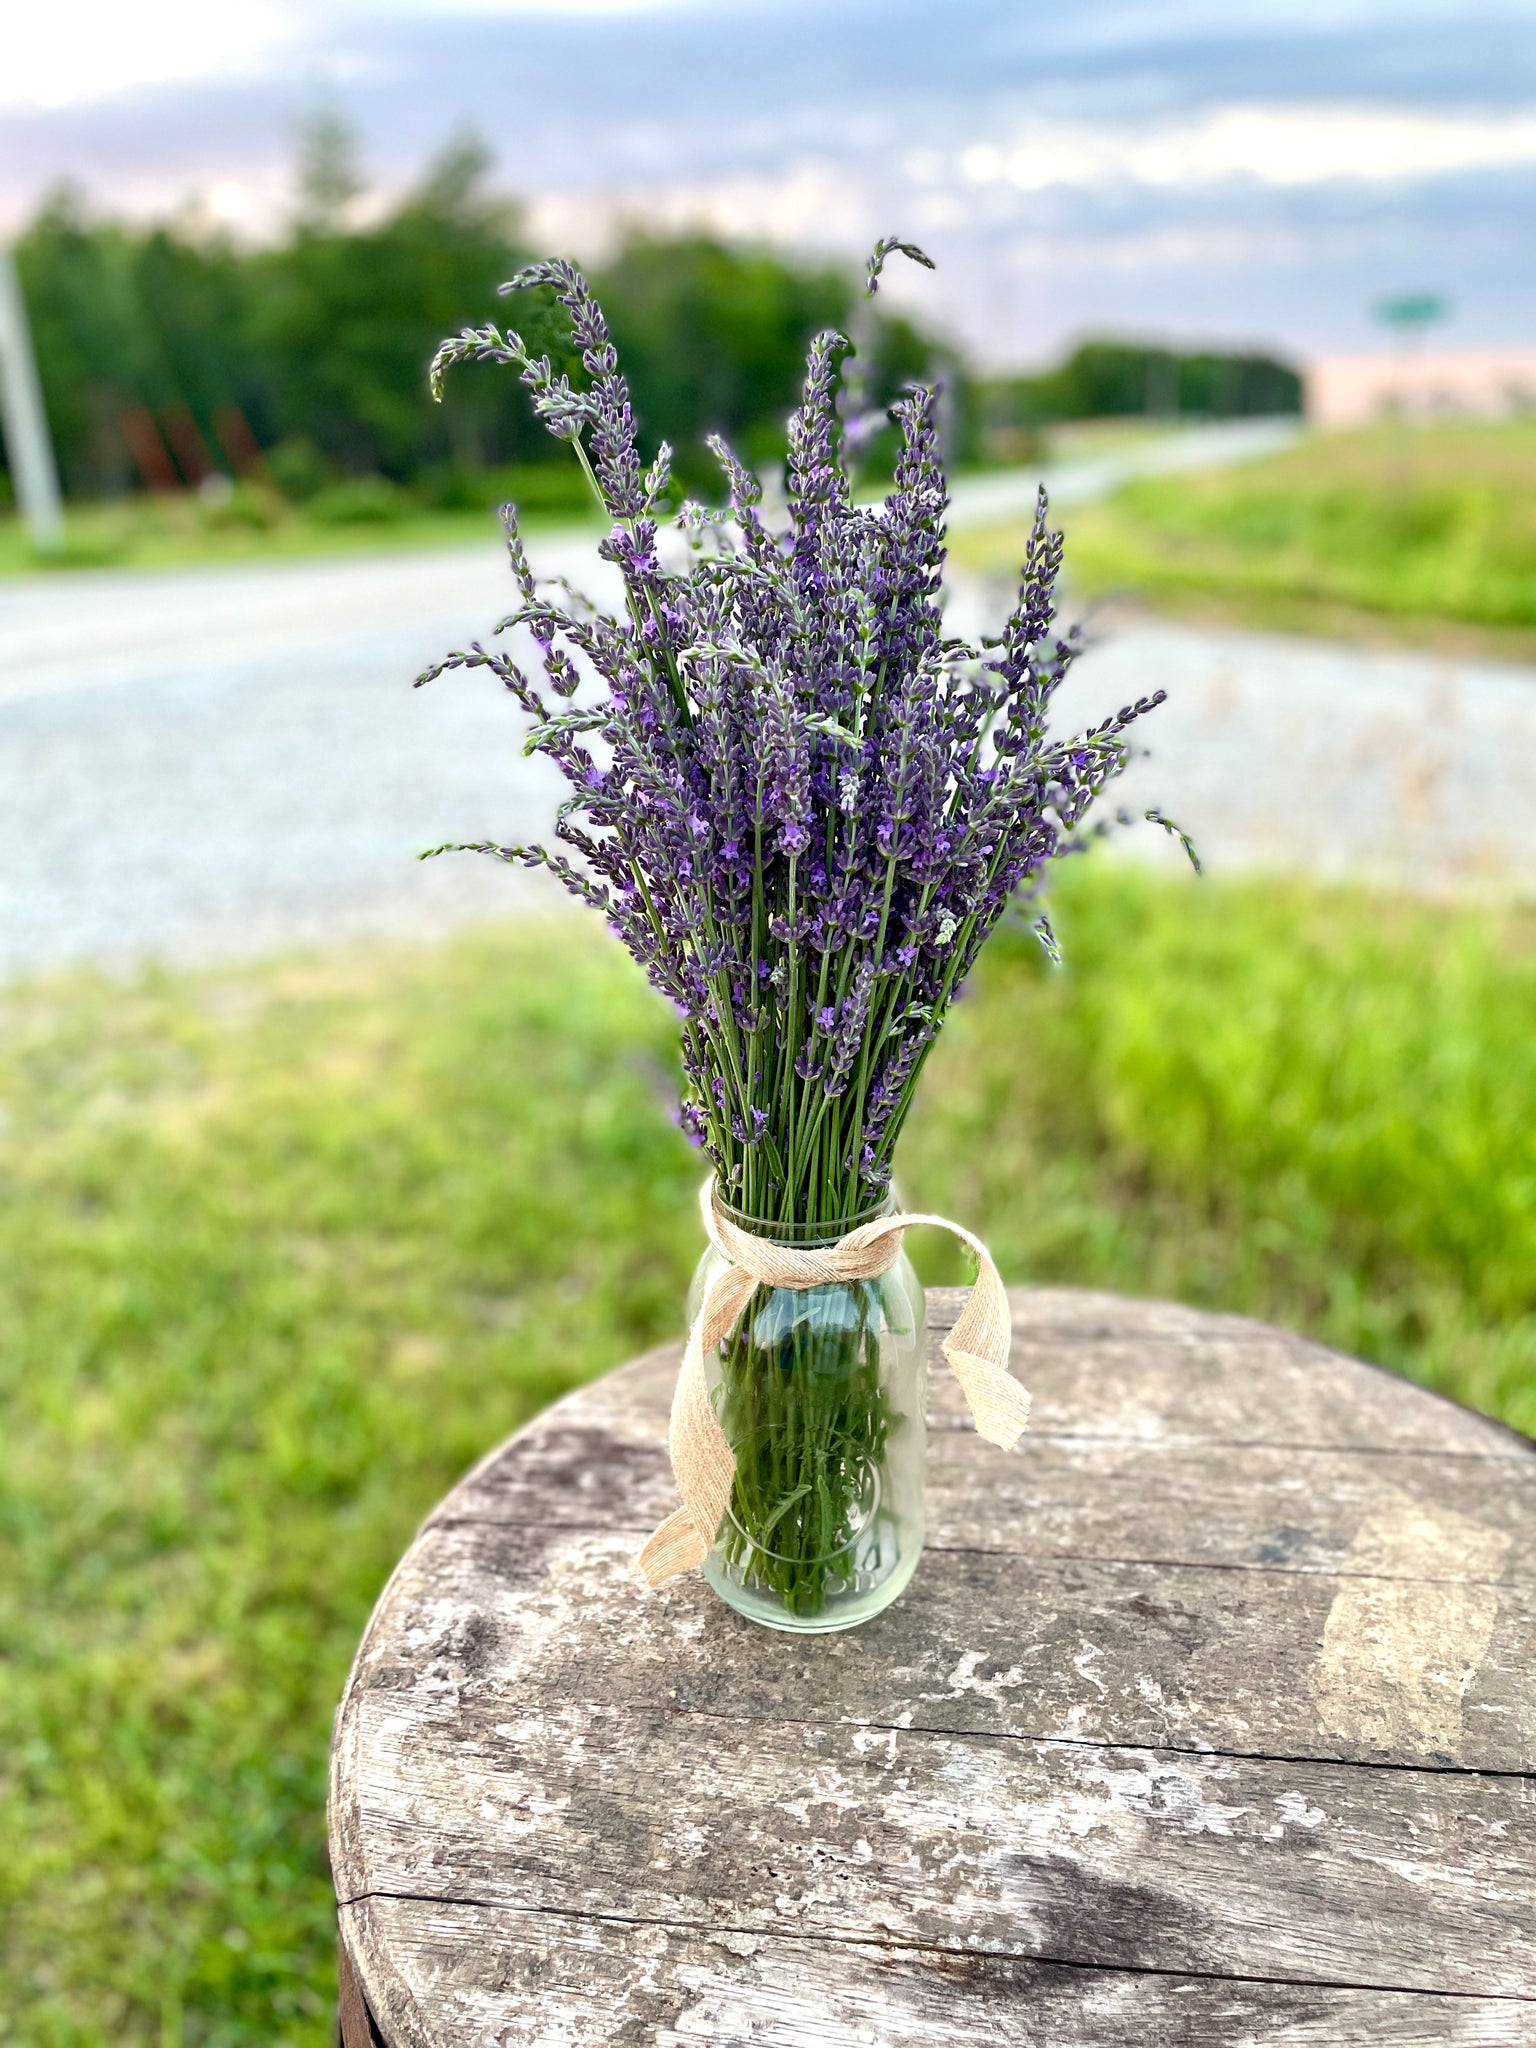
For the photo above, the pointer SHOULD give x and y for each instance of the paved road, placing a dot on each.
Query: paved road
(213, 763)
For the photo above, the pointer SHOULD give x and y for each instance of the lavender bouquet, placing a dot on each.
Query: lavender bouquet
(803, 808)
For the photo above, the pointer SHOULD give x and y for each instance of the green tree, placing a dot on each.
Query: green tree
(94, 351)
(323, 339)
(713, 340)
(193, 295)
(124, 318)
(345, 320)
(1108, 379)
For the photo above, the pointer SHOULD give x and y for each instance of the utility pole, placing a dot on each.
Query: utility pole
(27, 446)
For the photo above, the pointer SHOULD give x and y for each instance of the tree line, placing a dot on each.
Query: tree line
(171, 352)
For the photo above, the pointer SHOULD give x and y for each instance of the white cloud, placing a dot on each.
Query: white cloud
(76, 51)
(813, 205)
(1275, 145)
(983, 165)
(555, 7)
(57, 56)
(1159, 249)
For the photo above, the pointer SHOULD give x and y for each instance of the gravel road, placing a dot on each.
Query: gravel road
(214, 763)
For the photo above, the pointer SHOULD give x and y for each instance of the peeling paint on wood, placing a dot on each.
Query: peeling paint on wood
(1166, 1656)
(1148, 1859)
(1407, 1632)
(1209, 1717)
(487, 1975)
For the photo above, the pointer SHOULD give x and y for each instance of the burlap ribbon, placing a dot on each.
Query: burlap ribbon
(702, 1461)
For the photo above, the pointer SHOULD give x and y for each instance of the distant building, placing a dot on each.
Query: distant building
(1473, 383)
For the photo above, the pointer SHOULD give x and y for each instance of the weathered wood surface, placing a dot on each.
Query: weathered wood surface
(635, 1983)
(1209, 1717)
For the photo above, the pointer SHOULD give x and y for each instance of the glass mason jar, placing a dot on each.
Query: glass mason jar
(820, 1392)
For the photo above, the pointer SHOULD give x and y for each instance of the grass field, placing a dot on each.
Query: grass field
(1424, 534)
(1384, 531)
(158, 533)
(283, 1249)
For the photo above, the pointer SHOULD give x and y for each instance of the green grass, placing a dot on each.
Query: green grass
(1392, 528)
(1313, 1105)
(149, 533)
(283, 1249)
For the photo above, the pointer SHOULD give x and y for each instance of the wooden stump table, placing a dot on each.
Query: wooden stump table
(1208, 1718)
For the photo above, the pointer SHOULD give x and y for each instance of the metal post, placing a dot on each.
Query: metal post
(27, 446)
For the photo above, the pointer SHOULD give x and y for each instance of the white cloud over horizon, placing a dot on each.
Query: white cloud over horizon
(87, 50)
(1171, 165)
(92, 49)
(1275, 145)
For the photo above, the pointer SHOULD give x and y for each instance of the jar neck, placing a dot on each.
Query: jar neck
(805, 1234)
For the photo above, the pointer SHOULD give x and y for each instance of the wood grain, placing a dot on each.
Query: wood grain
(354, 2021)
(1151, 1859)
(982, 1643)
(476, 1974)
(1209, 1716)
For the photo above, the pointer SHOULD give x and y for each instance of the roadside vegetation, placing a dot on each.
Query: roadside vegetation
(283, 1249)
(255, 522)
(1386, 532)
(211, 398)
(208, 397)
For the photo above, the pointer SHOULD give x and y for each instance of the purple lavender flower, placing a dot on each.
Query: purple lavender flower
(799, 805)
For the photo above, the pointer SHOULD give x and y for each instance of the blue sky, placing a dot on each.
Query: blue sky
(1238, 172)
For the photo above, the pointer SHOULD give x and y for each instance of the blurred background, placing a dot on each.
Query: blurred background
(1251, 289)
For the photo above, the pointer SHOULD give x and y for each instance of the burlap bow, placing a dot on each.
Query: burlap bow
(702, 1461)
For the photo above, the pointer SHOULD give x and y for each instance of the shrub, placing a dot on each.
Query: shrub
(360, 501)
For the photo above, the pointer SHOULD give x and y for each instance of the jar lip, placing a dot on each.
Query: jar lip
(808, 1231)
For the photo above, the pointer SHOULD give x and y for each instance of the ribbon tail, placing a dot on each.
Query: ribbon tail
(999, 1405)
(977, 1348)
(676, 1547)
